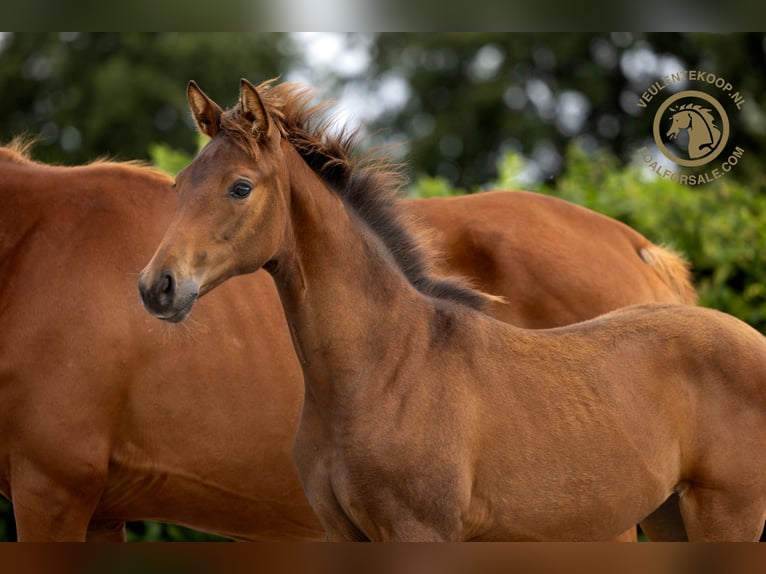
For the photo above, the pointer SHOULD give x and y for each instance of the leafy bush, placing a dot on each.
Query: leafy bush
(158, 532)
(169, 160)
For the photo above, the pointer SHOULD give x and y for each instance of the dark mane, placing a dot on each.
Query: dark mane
(369, 185)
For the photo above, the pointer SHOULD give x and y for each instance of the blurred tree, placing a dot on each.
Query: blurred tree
(92, 94)
(474, 96)
(460, 100)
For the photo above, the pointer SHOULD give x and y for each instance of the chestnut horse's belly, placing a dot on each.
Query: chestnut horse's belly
(207, 430)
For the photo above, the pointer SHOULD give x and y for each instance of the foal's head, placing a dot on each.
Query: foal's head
(234, 198)
(231, 213)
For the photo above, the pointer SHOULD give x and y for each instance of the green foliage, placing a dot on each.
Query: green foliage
(7, 524)
(159, 532)
(473, 96)
(92, 94)
(427, 186)
(167, 159)
(461, 99)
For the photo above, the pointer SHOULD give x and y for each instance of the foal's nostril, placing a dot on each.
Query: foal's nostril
(167, 283)
(158, 293)
(166, 297)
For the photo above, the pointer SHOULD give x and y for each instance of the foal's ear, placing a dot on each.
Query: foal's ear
(206, 112)
(252, 107)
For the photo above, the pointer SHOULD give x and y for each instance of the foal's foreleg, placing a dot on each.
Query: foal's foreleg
(418, 532)
(339, 527)
(719, 515)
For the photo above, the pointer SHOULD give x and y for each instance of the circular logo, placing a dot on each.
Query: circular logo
(691, 128)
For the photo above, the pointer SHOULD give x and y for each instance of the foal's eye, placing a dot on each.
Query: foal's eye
(240, 190)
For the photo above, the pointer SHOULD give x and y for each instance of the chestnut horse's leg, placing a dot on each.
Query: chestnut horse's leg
(665, 524)
(49, 509)
(720, 514)
(627, 536)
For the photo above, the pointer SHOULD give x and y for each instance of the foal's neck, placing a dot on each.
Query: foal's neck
(348, 305)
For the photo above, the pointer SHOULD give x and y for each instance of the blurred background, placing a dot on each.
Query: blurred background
(456, 102)
(465, 112)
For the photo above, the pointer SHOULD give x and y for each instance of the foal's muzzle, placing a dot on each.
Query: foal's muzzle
(165, 298)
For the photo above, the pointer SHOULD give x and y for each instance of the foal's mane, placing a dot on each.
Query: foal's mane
(366, 182)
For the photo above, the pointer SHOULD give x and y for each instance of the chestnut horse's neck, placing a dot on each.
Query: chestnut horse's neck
(348, 305)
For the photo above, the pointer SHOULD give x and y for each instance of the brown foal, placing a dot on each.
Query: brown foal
(425, 418)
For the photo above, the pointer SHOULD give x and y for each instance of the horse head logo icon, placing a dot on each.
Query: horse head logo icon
(702, 118)
(700, 123)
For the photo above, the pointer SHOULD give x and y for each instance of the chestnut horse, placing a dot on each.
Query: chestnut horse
(109, 416)
(426, 419)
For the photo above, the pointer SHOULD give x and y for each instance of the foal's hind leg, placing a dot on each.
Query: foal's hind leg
(723, 515)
